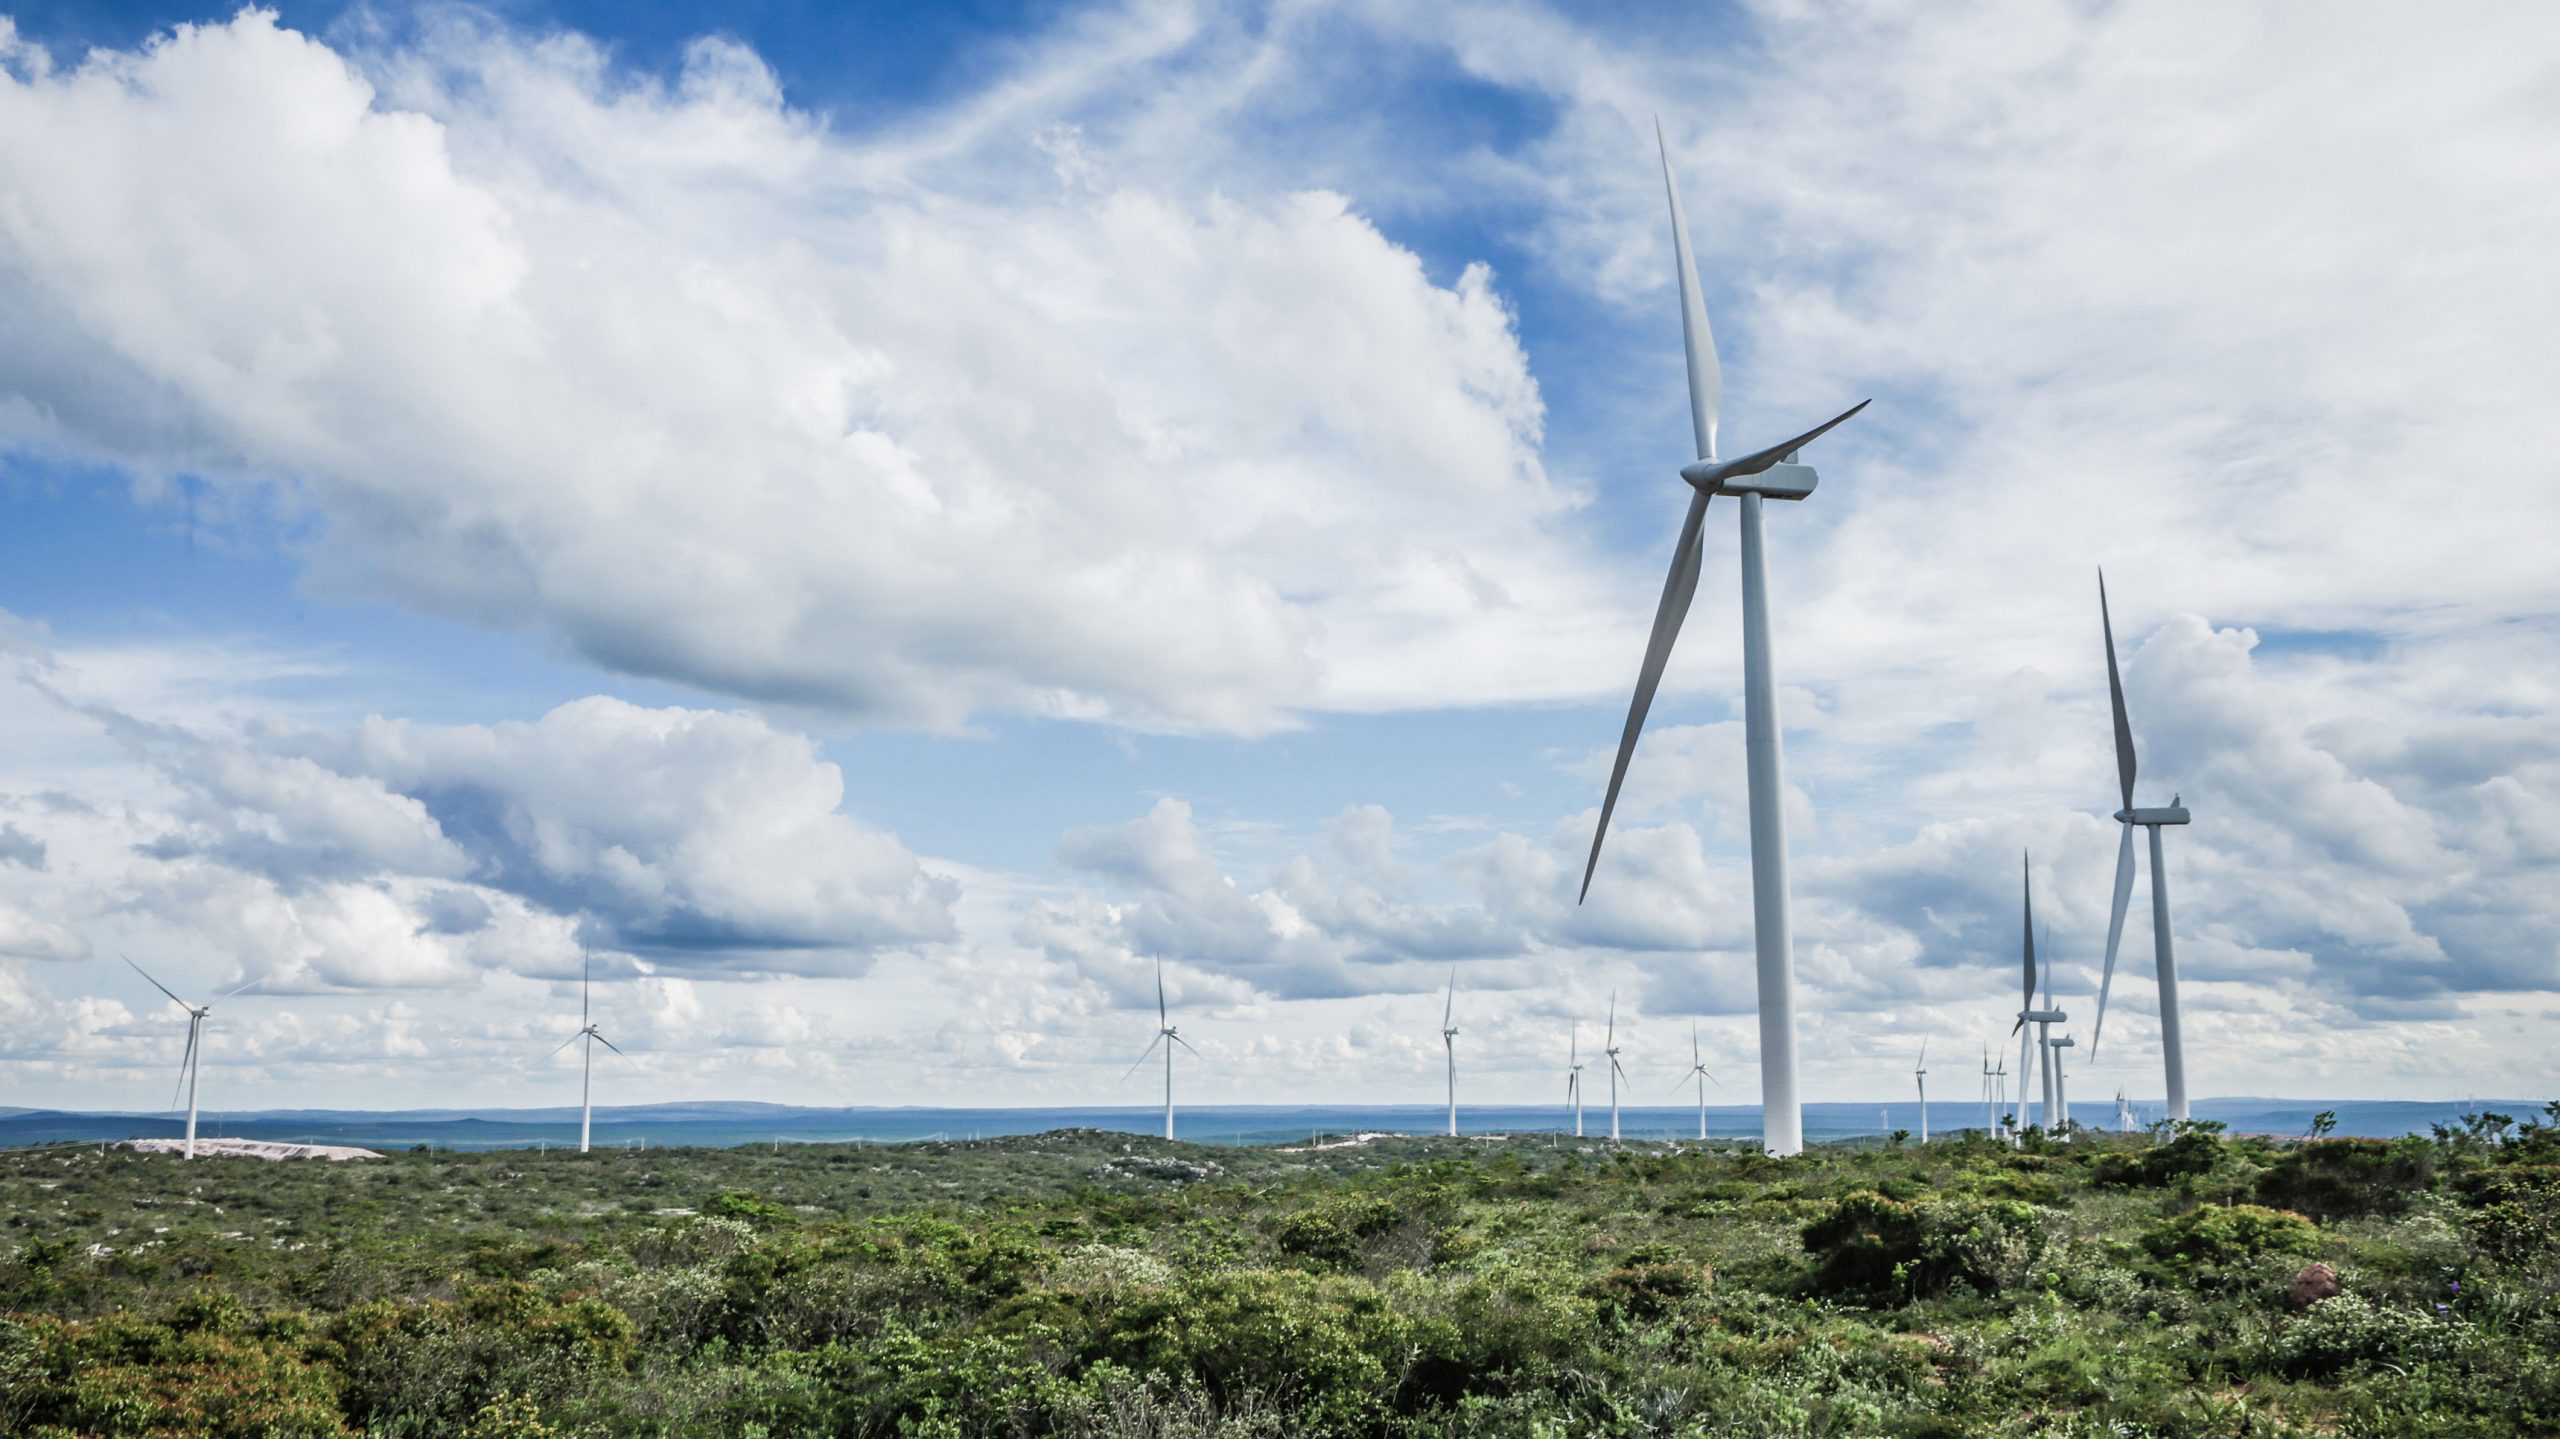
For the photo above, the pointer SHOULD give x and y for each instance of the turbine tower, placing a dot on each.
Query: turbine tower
(2029, 1013)
(2173, 1054)
(2061, 1088)
(1770, 473)
(1449, 1042)
(1617, 1071)
(1167, 1036)
(1920, 1076)
(1573, 1079)
(1698, 1071)
(190, 1063)
(589, 1032)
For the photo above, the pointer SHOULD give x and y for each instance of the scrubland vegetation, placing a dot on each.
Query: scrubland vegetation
(1093, 1285)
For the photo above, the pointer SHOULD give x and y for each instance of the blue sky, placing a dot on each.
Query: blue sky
(883, 522)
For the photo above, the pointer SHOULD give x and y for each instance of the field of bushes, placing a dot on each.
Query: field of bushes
(1085, 1284)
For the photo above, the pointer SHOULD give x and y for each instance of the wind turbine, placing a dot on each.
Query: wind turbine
(1617, 1071)
(1167, 1036)
(2028, 1013)
(1920, 1076)
(2173, 1054)
(1449, 1042)
(2000, 1089)
(190, 1063)
(1698, 1070)
(1990, 1115)
(1573, 1079)
(588, 1031)
(1770, 473)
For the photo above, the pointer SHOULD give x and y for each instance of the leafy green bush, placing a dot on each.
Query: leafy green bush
(2191, 1152)
(2218, 1236)
(2347, 1329)
(1866, 1244)
(2346, 1178)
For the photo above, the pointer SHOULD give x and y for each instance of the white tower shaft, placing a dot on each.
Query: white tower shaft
(1781, 1116)
(1924, 1107)
(1451, 1045)
(195, 1066)
(586, 1090)
(1168, 1091)
(2173, 1053)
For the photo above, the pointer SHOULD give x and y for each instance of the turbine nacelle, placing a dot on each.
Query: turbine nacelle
(2042, 1016)
(2165, 814)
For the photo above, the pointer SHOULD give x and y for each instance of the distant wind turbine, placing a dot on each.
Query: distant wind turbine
(1617, 1071)
(2173, 1054)
(2029, 1013)
(1920, 1075)
(1573, 1078)
(1449, 1042)
(1167, 1036)
(1772, 473)
(193, 1060)
(593, 1036)
(1698, 1071)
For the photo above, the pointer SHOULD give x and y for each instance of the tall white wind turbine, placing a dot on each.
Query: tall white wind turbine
(591, 1035)
(1167, 1036)
(1770, 473)
(193, 1060)
(2030, 1046)
(1698, 1071)
(1920, 1076)
(1617, 1071)
(2173, 1054)
(1573, 1078)
(1449, 1042)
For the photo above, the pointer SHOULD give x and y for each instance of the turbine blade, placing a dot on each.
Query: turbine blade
(1143, 1057)
(607, 1043)
(1706, 377)
(1760, 460)
(1178, 1039)
(586, 978)
(1449, 1007)
(1160, 1010)
(2028, 888)
(244, 989)
(2115, 933)
(155, 984)
(1924, 1053)
(2115, 698)
(186, 1062)
(1613, 1016)
(1678, 589)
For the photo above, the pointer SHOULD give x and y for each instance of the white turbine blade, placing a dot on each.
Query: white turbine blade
(2115, 699)
(1924, 1054)
(155, 984)
(586, 978)
(244, 989)
(2026, 875)
(1178, 1039)
(1706, 377)
(1679, 588)
(1613, 1017)
(186, 1061)
(1160, 1009)
(1621, 1069)
(2115, 934)
(1143, 1057)
(607, 1043)
(1696, 1059)
(1449, 1006)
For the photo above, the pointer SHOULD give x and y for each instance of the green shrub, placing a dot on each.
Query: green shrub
(2193, 1151)
(2347, 1330)
(1866, 1244)
(2347, 1178)
(2218, 1236)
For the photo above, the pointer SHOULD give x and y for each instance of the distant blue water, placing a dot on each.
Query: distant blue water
(726, 1124)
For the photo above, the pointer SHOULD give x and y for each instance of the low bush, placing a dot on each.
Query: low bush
(2218, 1236)
(2335, 1179)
